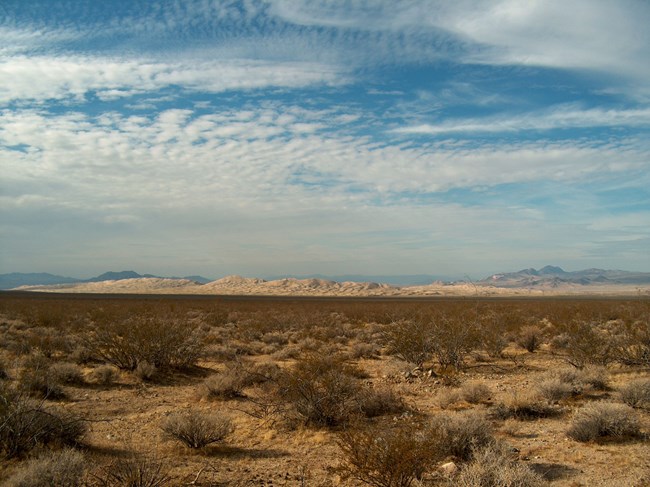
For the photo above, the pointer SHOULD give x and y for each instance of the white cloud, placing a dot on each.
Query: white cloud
(47, 77)
(558, 117)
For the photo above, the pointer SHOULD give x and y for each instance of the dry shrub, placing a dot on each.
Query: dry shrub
(588, 343)
(364, 350)
(67, 373)
(26, 424)
(164, 343)
(453, 337)
(526, 406)
(636, 393)
(322, 390)
(410, 340)
(459, 434)
(196, 429)
(104, 375)
(530, 338)
(385, 457)
(38, 379)
(554, 389)
(3, 370)
(64, 468)
(379, 402)
(493, 466)
(135, 471)
(604, 419)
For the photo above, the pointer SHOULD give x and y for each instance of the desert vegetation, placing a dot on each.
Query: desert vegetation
(176, 391)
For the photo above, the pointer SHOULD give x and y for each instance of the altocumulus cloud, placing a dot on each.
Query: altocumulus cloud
(309, 136)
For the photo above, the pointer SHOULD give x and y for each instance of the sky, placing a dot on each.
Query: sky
(336, 137)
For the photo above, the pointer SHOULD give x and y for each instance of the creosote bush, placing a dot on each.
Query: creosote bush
(604, 419)
(64, 468)
(322, 390)
(38, 379)
(385, 457)
(162, 342)
(410, 340)
(26, 424)
(196, 429)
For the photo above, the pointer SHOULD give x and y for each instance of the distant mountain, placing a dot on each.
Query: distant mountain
(553, 276)
(16, 279)
(199, 279)
(117, 276)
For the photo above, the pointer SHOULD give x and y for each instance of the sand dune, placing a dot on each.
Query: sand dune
(237, 285)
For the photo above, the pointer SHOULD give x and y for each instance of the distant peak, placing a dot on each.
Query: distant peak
(551, 269)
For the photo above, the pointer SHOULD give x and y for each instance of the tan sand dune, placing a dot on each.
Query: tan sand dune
(238, 285)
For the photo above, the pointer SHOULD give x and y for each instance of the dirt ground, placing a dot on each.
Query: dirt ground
(125, 418)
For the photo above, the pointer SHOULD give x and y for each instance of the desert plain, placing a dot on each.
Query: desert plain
(518, 389)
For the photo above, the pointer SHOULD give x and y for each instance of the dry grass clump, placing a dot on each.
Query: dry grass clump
(135, 471)
(493, 466)
(64, 468)
(459, 434)
(196, 429)
(104, 375)
(471, 392)
(526, 406)
(385, 457)
(604, 419)
(26, 424)
(146, 371)
(237, 375)
(68, 373)
(636, 393)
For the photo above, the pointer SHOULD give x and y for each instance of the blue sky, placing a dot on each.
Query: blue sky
(340, 137)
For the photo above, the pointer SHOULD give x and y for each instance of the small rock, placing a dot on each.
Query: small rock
(448, 468)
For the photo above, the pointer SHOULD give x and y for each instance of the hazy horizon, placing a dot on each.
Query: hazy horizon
(304, 137)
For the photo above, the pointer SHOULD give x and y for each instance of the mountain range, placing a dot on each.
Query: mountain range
(546, 277)
(17, 279)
